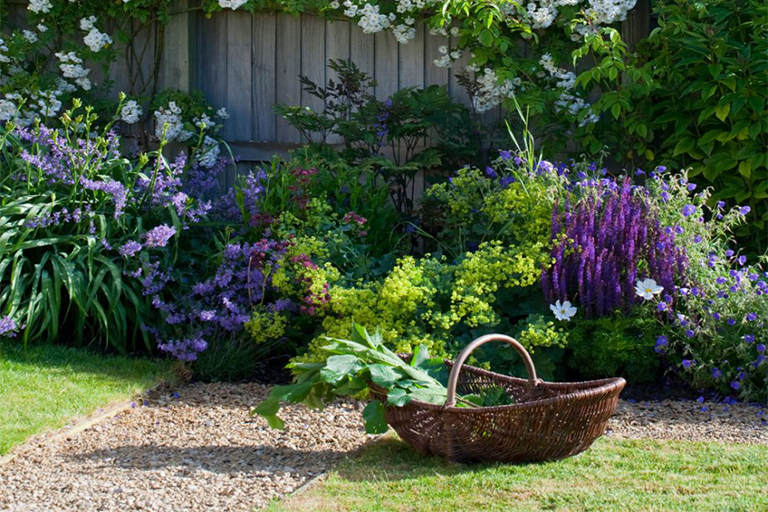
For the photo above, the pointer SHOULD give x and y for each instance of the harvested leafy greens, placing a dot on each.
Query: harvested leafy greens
(349, 369)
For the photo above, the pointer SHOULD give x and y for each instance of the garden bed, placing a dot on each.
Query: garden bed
(198, 449)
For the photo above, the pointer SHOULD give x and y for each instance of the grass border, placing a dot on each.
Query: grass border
(82, 423)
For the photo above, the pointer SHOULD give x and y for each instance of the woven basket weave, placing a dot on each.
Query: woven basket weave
(547, 421)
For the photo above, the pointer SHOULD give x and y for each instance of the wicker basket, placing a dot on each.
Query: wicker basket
(547, 421)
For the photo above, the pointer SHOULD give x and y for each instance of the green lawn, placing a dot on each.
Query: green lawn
(42, 387)
(612, 475)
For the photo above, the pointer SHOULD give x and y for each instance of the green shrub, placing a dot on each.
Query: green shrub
(615, 346)
(694, 96)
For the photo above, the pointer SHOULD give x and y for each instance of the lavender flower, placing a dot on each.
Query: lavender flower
(129, 249)
(7, 326)
(159, 236)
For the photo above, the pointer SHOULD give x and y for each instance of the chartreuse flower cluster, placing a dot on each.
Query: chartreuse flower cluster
(505, 202)
(428, 301)
(482, 274)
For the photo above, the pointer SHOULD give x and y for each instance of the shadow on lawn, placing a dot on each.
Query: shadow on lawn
(217, 459)
(392, 459)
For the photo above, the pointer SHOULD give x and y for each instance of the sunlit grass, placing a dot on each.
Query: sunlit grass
(612, 475)
(41, 387)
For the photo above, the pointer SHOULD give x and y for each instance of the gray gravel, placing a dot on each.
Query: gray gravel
(690, 420)
(202, 451)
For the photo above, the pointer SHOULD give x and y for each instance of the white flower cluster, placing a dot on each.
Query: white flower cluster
(566, 81)
(3, 50)
(7, 110)
(38, 6)
(203, 121)
(232, 4)
(131, 112)
(446, 58)
(210, 152)
(30, 36)
(71, 66)
(222, 113)
(168, 122)
(544, 14)
(48, 102)
(404, 33)
(490, 92)
(94, 39)
(371, 20)
(37, 104)
(410, 5)
(605, 12)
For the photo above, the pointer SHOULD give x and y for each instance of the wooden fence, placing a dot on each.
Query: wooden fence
(247, 63)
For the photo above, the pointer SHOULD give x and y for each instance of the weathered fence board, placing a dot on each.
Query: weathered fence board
(264, 77)
(386, 70)
(288, 58)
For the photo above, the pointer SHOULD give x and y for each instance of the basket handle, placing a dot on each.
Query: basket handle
(453, 378)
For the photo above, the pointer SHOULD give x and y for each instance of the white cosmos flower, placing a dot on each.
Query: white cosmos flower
(648, 288)
(563, 311)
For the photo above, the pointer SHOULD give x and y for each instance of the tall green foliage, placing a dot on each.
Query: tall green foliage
(694, 96)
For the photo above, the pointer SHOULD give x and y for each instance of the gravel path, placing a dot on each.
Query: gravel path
(200, 450)
(691, 420)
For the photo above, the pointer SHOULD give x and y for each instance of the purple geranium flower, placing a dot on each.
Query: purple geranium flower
(7, 326)
(689, 210)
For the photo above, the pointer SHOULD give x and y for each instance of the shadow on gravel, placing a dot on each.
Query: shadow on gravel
(217, 459)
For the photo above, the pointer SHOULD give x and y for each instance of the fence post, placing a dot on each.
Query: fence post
(178, 68)
(637, 25)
